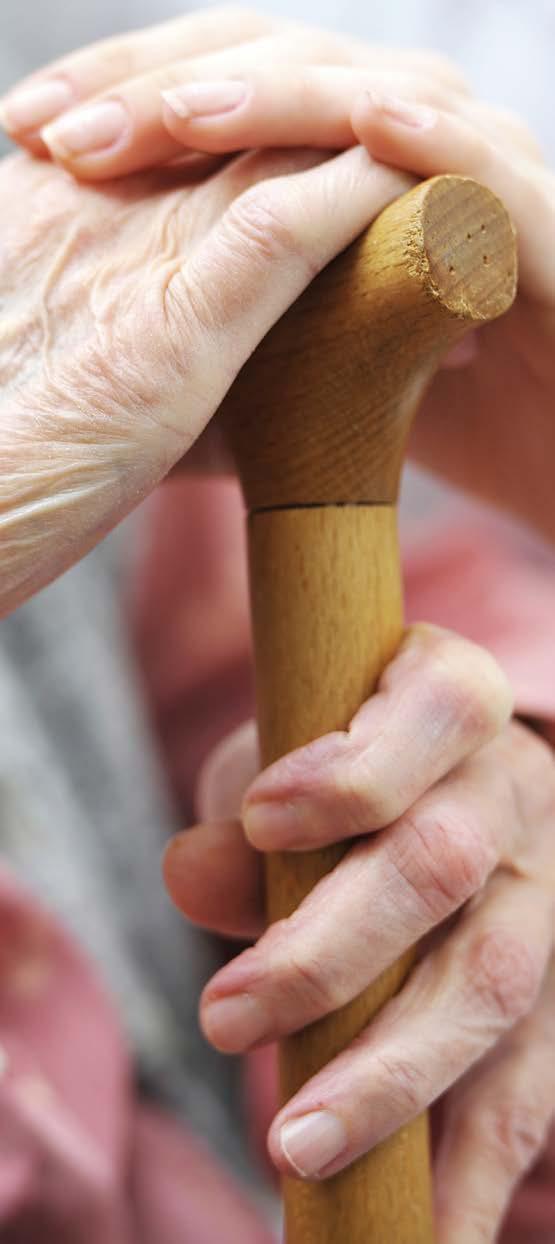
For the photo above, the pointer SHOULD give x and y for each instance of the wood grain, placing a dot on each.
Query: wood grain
(314, 561)
(322, 411)
(317, 422)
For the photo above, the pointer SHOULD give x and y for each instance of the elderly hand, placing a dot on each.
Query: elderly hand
(229, 79)
(451, 806)
(127, 310)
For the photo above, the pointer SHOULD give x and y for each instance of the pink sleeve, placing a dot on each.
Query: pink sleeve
(499, 591)
(80, 1157)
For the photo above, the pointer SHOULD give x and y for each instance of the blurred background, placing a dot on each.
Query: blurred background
(85, 801)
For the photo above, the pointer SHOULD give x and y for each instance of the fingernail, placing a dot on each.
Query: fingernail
(30, 107)
(313, 1141)
(417, 116)
(205, 99)
(87, 130)
(273, 825)
(234, 1023)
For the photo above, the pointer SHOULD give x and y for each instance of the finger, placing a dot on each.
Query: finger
(505, 126)
(215, 878)
(39, 98)
(455, 1006)
(439, 700)
(257, 259)
(211, 873)
(283, 106)
(495, 1125)
(387, 893)
(434, 141)
(226, 774)
(123, 130)
(205, 292)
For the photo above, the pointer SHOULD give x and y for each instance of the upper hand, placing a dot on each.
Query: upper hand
(127, 310)
(464, 800)
(298, 86)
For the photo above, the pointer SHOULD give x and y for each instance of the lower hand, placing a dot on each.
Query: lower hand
(464, 798)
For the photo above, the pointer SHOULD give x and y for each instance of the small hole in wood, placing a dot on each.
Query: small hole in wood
(451, 269)
(485, 259)
(469, 236)
(482, 228)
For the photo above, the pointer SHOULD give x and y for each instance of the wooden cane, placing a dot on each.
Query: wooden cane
(318, 422)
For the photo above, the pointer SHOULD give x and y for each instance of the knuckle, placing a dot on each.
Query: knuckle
(443, 859)
(314, 984)
(478, 1221)
(173, 75)
(515, 1133)
(504, 976)
(365, 802)
(263, 225)
(118, 55)
(468, 687)
(318, 989)
(406, 1084)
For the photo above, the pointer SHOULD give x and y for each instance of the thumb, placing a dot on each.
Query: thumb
(211, 872)
(270, 242)
(226, 774)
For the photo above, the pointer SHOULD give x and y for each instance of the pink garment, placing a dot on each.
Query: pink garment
(81, 1162)
(485, 583)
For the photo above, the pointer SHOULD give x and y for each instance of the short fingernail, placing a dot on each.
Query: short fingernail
(310, 1143)
(205, 99)
(233, 1024)
(87, 130)
(417, 116)
(30, 107)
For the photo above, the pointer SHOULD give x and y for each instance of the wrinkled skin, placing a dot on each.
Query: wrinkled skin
(92, 370)
(129, 306)
(487, 426)
(127, 310)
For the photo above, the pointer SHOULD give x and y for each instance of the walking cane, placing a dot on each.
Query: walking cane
(318, 421)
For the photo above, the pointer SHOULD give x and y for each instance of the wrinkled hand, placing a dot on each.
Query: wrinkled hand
(126, 312)
(451, 805)
(232, 79)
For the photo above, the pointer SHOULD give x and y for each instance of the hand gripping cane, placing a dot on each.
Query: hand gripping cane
(317, 422)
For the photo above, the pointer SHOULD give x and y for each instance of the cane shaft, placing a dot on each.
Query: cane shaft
(318, 422)
(326, 606)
